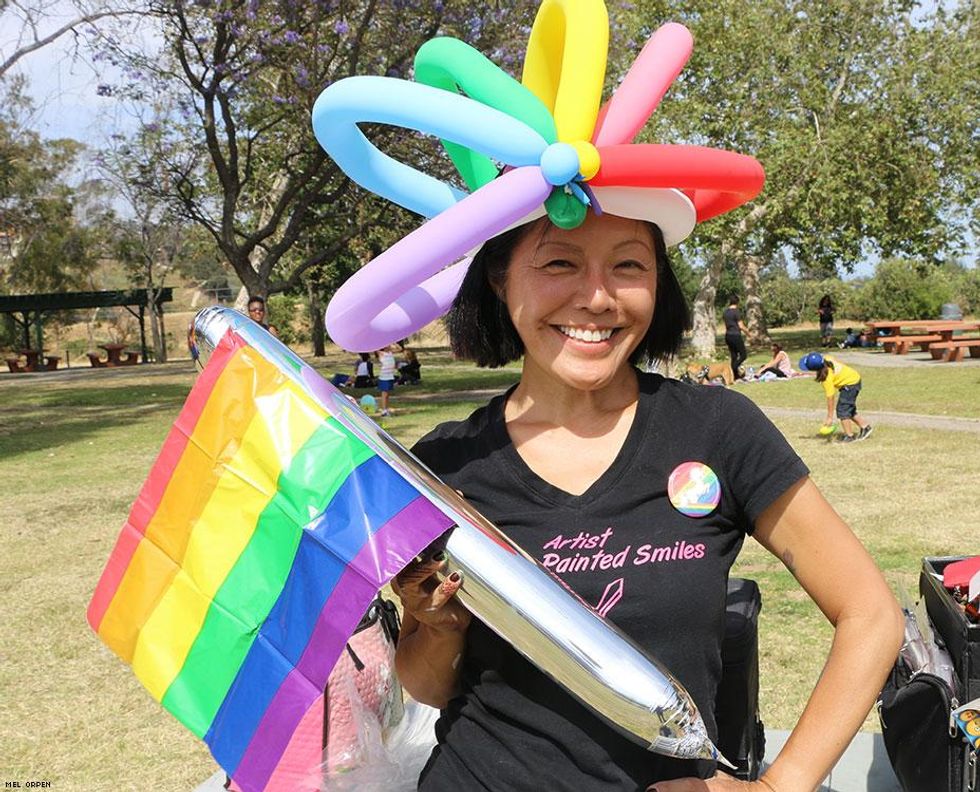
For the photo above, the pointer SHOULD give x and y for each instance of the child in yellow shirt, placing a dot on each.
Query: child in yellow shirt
(843, 383)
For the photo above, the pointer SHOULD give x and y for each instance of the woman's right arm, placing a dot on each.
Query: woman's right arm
(433, 635)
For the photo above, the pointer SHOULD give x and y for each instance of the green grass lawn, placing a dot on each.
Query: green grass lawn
(950, 390)
(927, 389)
(74, 452)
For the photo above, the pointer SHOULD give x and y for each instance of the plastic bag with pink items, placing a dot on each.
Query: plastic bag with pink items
(371, 740)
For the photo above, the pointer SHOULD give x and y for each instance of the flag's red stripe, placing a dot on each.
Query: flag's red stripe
(156, 483)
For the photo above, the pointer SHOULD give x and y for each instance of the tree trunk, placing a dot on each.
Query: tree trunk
(748, 269)
(317, 322)
(158, 334)
(703, 329)
(704, 322)
(241, 301)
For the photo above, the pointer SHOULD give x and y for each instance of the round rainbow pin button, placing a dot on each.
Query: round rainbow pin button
(694, 489)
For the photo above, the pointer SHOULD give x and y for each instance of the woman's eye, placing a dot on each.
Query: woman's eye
(558, 264)
(632, 264)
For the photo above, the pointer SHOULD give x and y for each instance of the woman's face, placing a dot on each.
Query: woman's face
(582, 300)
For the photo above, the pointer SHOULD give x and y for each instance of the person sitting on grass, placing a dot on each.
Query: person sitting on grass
(843, 383)
(852, 340)
(780, 364)
(409, 370)
(364, 371)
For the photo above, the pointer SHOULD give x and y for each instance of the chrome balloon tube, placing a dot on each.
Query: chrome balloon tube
(566, 638)
(508, 590)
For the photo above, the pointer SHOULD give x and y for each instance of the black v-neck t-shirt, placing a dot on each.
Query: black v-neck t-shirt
(659, 575)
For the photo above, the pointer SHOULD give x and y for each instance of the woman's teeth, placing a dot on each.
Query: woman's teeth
(580, 334)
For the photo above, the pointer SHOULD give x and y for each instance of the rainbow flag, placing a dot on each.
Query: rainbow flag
(262, 533)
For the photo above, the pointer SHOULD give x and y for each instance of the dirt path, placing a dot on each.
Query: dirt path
(881, 359)
(885, 418)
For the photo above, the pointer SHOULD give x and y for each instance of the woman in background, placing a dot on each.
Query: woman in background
(734, 327)
(780, 364)
(825, 312)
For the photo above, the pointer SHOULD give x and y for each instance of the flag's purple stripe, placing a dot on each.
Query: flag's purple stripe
(294, 697)
(397, 542)
(314, 574)
(371, 496)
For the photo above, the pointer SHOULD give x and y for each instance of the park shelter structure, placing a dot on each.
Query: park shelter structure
(28, 310)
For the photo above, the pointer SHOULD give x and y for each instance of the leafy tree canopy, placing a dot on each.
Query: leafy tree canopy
(42, 247)
(863, 114)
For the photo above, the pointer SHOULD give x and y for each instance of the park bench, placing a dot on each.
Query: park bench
(902, 344)
(13, 363)
(96, 360)
(954, 351)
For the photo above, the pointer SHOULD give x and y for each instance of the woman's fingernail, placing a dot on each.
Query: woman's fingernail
(455, 577)
(439, 556)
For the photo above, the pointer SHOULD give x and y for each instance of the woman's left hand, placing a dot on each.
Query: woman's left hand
(720, 782)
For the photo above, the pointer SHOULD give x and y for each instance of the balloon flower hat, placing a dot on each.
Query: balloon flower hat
(545, 145)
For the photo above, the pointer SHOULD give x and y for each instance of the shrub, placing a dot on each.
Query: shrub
(787, 301)
(904, 289)
(966, 290)
(289, 314)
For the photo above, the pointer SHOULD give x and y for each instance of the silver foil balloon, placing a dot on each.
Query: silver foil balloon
(508, 590)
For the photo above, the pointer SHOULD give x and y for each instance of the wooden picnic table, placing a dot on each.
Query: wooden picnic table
(114, 353)
(35, 360)
(930, 331)
(934, 325)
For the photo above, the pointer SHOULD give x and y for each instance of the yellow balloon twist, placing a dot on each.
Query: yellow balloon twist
(565, 67)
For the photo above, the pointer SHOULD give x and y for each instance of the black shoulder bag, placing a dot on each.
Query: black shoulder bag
(923, 746)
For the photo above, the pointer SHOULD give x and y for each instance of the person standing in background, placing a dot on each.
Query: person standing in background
(734, 327)
(386, 377)
(825, 311)
(257, 313)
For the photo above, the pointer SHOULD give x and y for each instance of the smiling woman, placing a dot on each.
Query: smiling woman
(481, 328)
(668, 479)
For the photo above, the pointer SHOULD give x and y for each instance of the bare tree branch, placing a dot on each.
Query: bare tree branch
(38, 43)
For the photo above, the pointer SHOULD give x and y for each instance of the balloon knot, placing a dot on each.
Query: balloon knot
(559, 163)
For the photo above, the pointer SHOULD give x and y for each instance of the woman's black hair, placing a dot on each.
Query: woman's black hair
(733, 299)
(479, 324)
